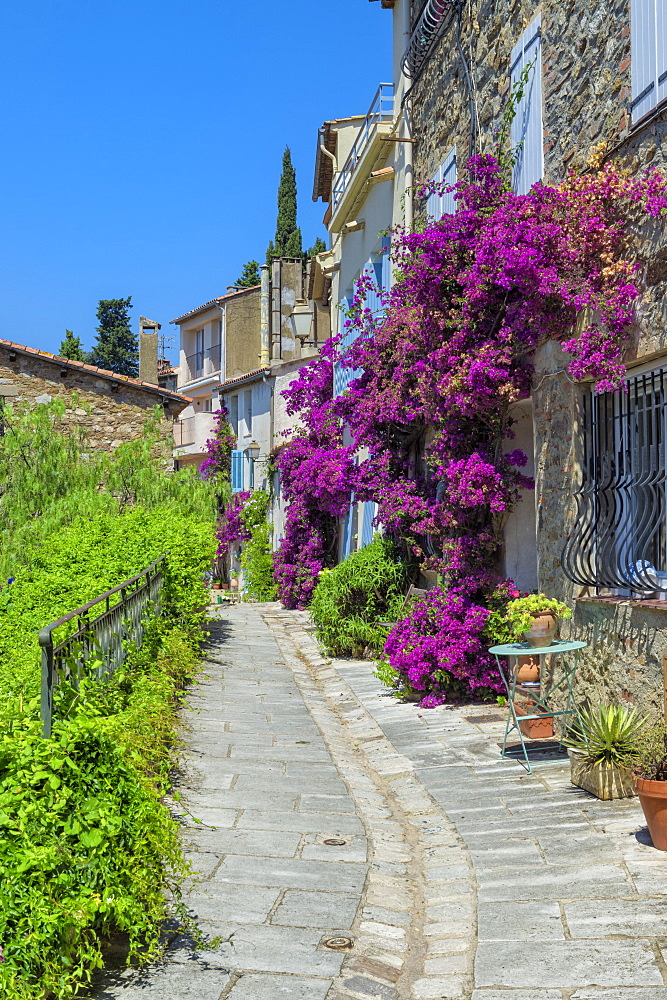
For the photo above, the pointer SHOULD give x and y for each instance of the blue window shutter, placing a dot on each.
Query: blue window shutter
(367, 530)
(347, 531)
(438, 205)
(527, 132)
(447, 202)
(386, 262)
(643, 34)
(237, 471)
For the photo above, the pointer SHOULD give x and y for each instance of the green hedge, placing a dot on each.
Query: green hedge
(367, 587)
(87, 848)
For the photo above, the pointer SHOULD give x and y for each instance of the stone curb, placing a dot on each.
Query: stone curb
(416, 932)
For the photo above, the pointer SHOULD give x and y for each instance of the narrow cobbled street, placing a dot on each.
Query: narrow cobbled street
(351, 846)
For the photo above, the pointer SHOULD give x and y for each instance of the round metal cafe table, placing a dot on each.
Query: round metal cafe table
(536, 690)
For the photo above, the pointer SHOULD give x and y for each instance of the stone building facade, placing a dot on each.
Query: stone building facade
(597, 85)
(112, 408)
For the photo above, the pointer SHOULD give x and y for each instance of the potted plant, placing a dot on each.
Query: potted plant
(603, 750)
(650, 769)
(535, 618)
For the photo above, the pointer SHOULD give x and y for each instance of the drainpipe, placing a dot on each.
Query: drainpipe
(264, 316)
(327, 152)
(407, 109)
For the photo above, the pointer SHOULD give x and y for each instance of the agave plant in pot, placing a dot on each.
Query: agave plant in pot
(650, 769)
(535, 618)
(604, 749)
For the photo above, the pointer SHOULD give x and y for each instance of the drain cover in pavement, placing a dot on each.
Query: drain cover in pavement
(332, 842)
(337, 943)
(484, 718)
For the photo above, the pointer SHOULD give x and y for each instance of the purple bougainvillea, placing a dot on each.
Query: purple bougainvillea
(428, 424)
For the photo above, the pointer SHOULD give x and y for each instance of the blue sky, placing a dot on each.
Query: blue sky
(143, 144)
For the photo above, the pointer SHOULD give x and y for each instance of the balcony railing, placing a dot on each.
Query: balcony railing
(202, 363)
(381, 110)
(184, 432)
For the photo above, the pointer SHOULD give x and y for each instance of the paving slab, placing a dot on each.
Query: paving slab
(252, 986)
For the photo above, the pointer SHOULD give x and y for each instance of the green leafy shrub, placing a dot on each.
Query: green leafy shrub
(608, 734)
(257, 558)
(650, 760)
(366, 588)
(520, 612)
(87, 848)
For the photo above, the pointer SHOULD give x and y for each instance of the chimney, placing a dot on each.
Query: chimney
(148, 337)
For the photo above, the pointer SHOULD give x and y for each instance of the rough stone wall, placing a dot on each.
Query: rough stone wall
(109, 416)
(243, 344)
(586, 75)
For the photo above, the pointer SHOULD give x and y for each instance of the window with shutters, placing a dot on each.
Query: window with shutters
(438, 205)
(378, 268)
(237, 470)
(648, 33)
(619, 538)
(247, 411)
(527, 136)
(234, 414)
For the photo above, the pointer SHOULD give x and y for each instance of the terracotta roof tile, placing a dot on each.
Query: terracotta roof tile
(93, 369)
(210, 303)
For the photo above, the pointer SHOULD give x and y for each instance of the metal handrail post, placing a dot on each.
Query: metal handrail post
(46, 700)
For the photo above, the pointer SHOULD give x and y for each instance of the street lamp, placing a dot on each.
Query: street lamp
(252, 451)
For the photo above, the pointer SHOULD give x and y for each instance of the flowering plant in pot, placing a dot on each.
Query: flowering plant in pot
(604, 749)
(650, 770)
(534, 618)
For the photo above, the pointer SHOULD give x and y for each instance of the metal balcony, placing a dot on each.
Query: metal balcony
(380, 111)
(202, 363)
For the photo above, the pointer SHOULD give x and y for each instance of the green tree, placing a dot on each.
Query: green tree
(71, 347)
(116, 347)
(319, 246)
(250, 276)
(287, 241)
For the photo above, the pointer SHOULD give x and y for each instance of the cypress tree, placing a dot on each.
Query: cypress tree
(71, 347)
(250, 275)
(319, 246)
(287, 241)
(116, 347)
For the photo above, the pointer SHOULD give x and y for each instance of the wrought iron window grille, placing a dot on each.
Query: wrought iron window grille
(619, 538)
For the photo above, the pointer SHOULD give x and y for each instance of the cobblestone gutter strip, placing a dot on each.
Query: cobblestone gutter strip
(416, 934)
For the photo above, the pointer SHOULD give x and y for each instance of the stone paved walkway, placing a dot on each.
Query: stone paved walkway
(455, 875)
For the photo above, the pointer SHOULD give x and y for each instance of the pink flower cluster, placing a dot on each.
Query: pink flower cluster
(435, 381)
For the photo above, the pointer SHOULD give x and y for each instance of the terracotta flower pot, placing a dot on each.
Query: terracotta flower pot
(543, 630)
(528, 669)
(534, 729)
(653, 799)
(216, 585)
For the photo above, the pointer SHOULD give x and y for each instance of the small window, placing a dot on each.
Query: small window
(237, 471)
(247, 411)
(207, 405)
(438, 205)
(619, 537)
(648, 34)
(234, 414)
(527, 135)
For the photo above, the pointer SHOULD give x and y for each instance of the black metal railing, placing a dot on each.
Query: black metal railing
(620, 535)
(202, 363)
(98, 646)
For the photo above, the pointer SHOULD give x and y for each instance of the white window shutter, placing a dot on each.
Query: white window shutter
(527, 135)
(661, 54)
(643, 56)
